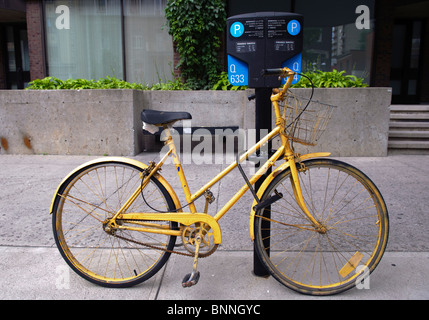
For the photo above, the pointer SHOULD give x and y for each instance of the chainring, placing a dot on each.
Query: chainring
(189, 235)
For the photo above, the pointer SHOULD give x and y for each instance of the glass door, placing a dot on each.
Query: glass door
(18, 63)
(406, 60)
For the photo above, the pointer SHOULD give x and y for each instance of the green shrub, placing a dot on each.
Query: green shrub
(175, 84)
(53, 83)
(197, 29)
(333, 79)
(320, 79)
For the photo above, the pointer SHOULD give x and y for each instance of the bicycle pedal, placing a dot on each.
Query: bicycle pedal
(191, 279)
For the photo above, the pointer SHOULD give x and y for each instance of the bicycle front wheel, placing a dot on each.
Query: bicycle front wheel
(355, 219)
(90, 197)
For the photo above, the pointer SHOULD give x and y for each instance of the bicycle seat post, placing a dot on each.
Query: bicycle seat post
(176, 159)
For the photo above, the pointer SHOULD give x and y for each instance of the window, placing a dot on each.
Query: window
(236, 7)
(332, 39)
(148, 46)
(100, 42)
(91, 47)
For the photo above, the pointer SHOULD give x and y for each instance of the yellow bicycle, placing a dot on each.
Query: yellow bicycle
(318, 224)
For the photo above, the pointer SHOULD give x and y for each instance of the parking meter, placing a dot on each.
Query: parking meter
(263, 40)
(255, 42)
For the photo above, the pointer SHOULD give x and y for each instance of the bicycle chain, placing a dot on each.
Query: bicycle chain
(152, 246)
(201, 255)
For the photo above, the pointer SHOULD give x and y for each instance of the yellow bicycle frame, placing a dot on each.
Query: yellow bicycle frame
(187, 219)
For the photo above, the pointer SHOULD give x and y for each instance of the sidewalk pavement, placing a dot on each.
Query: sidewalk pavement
(32, 268)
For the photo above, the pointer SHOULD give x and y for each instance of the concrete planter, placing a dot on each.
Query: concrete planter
(94, 122)
(360, 123)
(99, 122)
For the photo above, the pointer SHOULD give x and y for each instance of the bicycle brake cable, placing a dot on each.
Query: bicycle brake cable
(309, 100)
(160, 211)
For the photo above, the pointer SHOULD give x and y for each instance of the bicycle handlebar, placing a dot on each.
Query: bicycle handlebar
(272, 72)
(283, 72)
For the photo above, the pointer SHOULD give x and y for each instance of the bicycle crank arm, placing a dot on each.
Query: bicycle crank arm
(183, 218)
(191, 279)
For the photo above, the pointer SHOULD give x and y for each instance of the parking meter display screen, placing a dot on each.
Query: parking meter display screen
(244, 47)
(263, 40)
(284, 46)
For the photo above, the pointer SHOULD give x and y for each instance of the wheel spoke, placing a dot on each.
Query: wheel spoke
(91, 197)
(347, 204)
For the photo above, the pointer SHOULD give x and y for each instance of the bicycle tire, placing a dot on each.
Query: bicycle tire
(90, 196)
(354, 213)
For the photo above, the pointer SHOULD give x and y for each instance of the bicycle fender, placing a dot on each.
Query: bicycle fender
(270, 178)
(133, 162)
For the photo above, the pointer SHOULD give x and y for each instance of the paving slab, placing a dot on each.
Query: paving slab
(30, 273)
(32, 268)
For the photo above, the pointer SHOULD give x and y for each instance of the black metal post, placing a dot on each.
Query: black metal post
(263, 118)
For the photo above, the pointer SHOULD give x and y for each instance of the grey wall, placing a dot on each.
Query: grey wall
(98, 122)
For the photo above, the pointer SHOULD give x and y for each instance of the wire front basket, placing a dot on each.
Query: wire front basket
(305, 120)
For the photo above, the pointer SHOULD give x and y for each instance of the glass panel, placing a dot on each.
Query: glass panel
(92, 45)
(412, 87)
(415, 45)
(11, 49)
(148, 46)
(24, 50)
(334, 37)
(399, 35)
(396, 86)
(235, 7)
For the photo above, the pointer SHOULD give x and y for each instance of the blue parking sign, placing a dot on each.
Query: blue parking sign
(237, 29)
(238, 72)
(294, 27)
(294, 64)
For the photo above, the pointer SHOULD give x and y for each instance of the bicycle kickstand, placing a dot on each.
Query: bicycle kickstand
(192, 278)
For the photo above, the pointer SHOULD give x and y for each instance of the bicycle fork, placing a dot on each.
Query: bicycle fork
(296, 186)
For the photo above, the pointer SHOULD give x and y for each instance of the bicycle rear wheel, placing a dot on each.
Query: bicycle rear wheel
(112, 259)
(348, 204)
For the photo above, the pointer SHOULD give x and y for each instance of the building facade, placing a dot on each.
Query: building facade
(381, 41)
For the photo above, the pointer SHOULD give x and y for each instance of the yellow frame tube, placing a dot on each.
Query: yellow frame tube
(252, 181)
(194, 217)
(138, 191)
(168, 232)
(233, 165)
(180, 172)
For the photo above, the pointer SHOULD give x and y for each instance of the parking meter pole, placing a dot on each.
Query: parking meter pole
(263, 121)
(255, 42)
